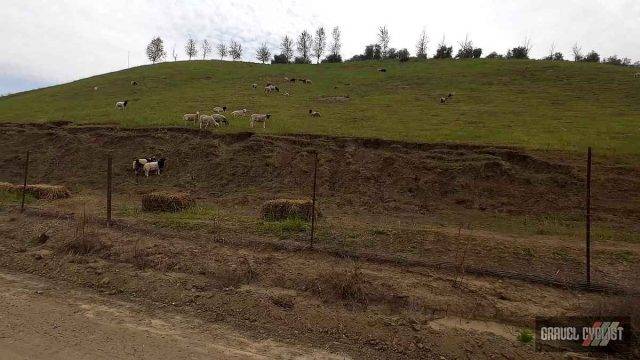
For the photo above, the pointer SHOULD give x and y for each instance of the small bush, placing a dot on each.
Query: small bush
(301, 60)
(444, 52)
(165, 201)
(495, 55)
(344, 286)
(280, 59)
(518, 52)
(525, 336)
(403, 55)
(333, 58)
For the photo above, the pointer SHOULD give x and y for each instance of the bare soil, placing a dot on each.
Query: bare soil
(390, 276)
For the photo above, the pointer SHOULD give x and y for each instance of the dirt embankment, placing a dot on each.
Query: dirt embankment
(370, 174)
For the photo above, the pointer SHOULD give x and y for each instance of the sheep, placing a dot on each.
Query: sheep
(637, 75)
(240, 112)
(260, 118)
(139, 163)
(382, 70)
(95, 88)
(301, 80)
(192, 117)
(307, 81)
(443, 100)
(270, 88)
(314, 113)
(292, 80)
(206, 120)
(254, 86)
(220, 119)
(219, 109)
(286, 78)
(121, 105)
(134, 83)
(154, 166)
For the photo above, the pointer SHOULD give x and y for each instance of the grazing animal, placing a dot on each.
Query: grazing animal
(307, 81)
(314, 113)
(95, 88)
(254, 85)
(286, 78)
(134, 83)
(121, 105)
(154, 166)
(206, 120)
(301, 80)
(192, 117)
(270, 88)
(240, 112)
(139, 163)
(292, 80)
(443, 100)
(220, 119)
(219, 109)
(382, 70)
(637, 75)
(260, 118)
(450, 95)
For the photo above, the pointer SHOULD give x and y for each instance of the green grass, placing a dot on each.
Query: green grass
(533, 104)
(194, 218)
(284, 228)
(14, 198)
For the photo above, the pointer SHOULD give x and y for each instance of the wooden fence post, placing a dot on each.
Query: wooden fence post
(24, 184)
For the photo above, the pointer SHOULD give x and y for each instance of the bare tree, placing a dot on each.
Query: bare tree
(383, 40)
(190, 48)
(235, 50)
(222, 50)
(336, 45)
(263, 54)
(155, 50)
(286, 46)
(577, 52)
(305, 42)
(206, 48)
(421, 46)
(552, 50)
(174, 54)
(319, 44)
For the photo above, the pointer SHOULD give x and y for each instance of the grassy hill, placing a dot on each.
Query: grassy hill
(533, 104)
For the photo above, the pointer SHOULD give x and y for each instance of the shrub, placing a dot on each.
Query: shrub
(333, 58)
(525, 336)
(558, 56)
(592, 56)
(392, 53)
(403, 55)
(495, 55)
(165, 201)
(301, 60)
(518, 52)
(279, 59)
(349, 286)
(443, 52)
(614, 60)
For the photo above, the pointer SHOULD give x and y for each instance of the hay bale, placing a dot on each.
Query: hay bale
(39, 191)
(281, 209)
(46, 192)
(166, 201)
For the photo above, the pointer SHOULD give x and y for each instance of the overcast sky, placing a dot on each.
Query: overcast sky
(48, 42)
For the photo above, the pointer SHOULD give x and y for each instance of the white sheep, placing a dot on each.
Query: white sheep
(271, 88)
(637, 75)
(260, 118)
(240, 112)
(95, 88)
(219, 109)
(254, 85)
(206, 120)
(220, 119)
(155, 166)
(121, 105)
(192, 117)
(314, 113)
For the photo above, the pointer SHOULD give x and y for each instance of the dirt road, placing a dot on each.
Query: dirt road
(43, 320)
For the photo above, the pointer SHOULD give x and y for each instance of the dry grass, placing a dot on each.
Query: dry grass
(166, 201)
(39, 191)
(348, 286)
(83, 242)
(281, 209)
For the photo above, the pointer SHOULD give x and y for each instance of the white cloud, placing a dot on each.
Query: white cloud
(57, 41)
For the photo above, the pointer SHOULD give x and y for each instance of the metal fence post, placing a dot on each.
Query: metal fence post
(24, 184)
(109, 169)
(313, 208)
(588, 232)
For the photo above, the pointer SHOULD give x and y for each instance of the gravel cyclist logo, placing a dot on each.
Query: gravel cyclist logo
(583, 334)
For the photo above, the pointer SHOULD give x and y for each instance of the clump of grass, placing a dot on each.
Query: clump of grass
(348, 286)
(284, 228)
(10, 195)
(139, 255)
(83, 243)
(238, 274)
(525, 336)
